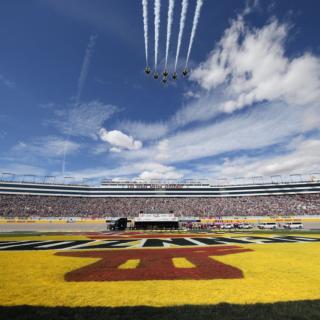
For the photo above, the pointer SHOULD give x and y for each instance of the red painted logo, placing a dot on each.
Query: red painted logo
(156, 264)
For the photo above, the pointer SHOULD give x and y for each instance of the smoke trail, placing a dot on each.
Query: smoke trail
(181, 27)
(169, 25)
(194, 27)
(145, 27)
(81, 82)
(85, 66)
(156, 31)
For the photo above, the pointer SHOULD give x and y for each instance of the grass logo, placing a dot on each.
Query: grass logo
(156, 264)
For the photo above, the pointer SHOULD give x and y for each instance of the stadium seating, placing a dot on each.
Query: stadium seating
(52, 206)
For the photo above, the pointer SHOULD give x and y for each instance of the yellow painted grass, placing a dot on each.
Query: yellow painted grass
(273, 272)
(182, 263)
(130, 264)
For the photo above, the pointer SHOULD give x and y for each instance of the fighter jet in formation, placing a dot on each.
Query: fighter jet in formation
(166, 74)
(147, 70)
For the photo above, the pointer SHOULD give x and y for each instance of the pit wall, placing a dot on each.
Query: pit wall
(263, 219)
(53, 221)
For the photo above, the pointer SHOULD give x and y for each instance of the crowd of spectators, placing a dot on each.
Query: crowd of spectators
(24, 206)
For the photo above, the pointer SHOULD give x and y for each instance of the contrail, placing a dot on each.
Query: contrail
(157, 6)
(81, 82)
(181, 27)
(145, 28)
(169, 25)
(194, 27)
(85, 66)
(64, 155)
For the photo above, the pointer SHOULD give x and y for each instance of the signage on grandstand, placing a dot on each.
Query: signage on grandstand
(156, 217)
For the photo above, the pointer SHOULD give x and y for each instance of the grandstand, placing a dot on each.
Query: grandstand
(156, 188)
(129, 198)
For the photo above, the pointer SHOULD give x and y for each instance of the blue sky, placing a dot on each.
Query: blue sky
(74, 100)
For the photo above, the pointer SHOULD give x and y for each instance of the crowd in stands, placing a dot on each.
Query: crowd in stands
(25, 206)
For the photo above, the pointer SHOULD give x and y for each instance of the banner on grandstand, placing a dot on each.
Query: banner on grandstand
(156, 217)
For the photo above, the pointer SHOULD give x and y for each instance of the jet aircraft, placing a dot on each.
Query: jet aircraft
(147, 70)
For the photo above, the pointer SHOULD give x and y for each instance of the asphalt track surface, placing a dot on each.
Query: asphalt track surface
(83, 227)
(53, 227)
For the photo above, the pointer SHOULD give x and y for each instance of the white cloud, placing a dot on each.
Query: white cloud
(119, 140)
(255, 129)
(85, 120)
(162, 150)
(21, 169)
(115, 149)
(46, 147)
(191, 94)
(301, 156)
(141, 170)
(311, 118)
(250, 66)
(198, 110)
(160, 172)
(98, 149)
(144, 131)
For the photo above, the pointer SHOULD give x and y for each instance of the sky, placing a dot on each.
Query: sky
(75, 101)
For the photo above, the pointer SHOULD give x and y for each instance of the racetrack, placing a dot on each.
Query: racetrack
(84, 227)
(47, 227)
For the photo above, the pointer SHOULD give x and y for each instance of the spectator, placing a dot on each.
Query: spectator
(25, 206)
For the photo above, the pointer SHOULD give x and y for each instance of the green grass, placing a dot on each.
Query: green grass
(301, 310)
